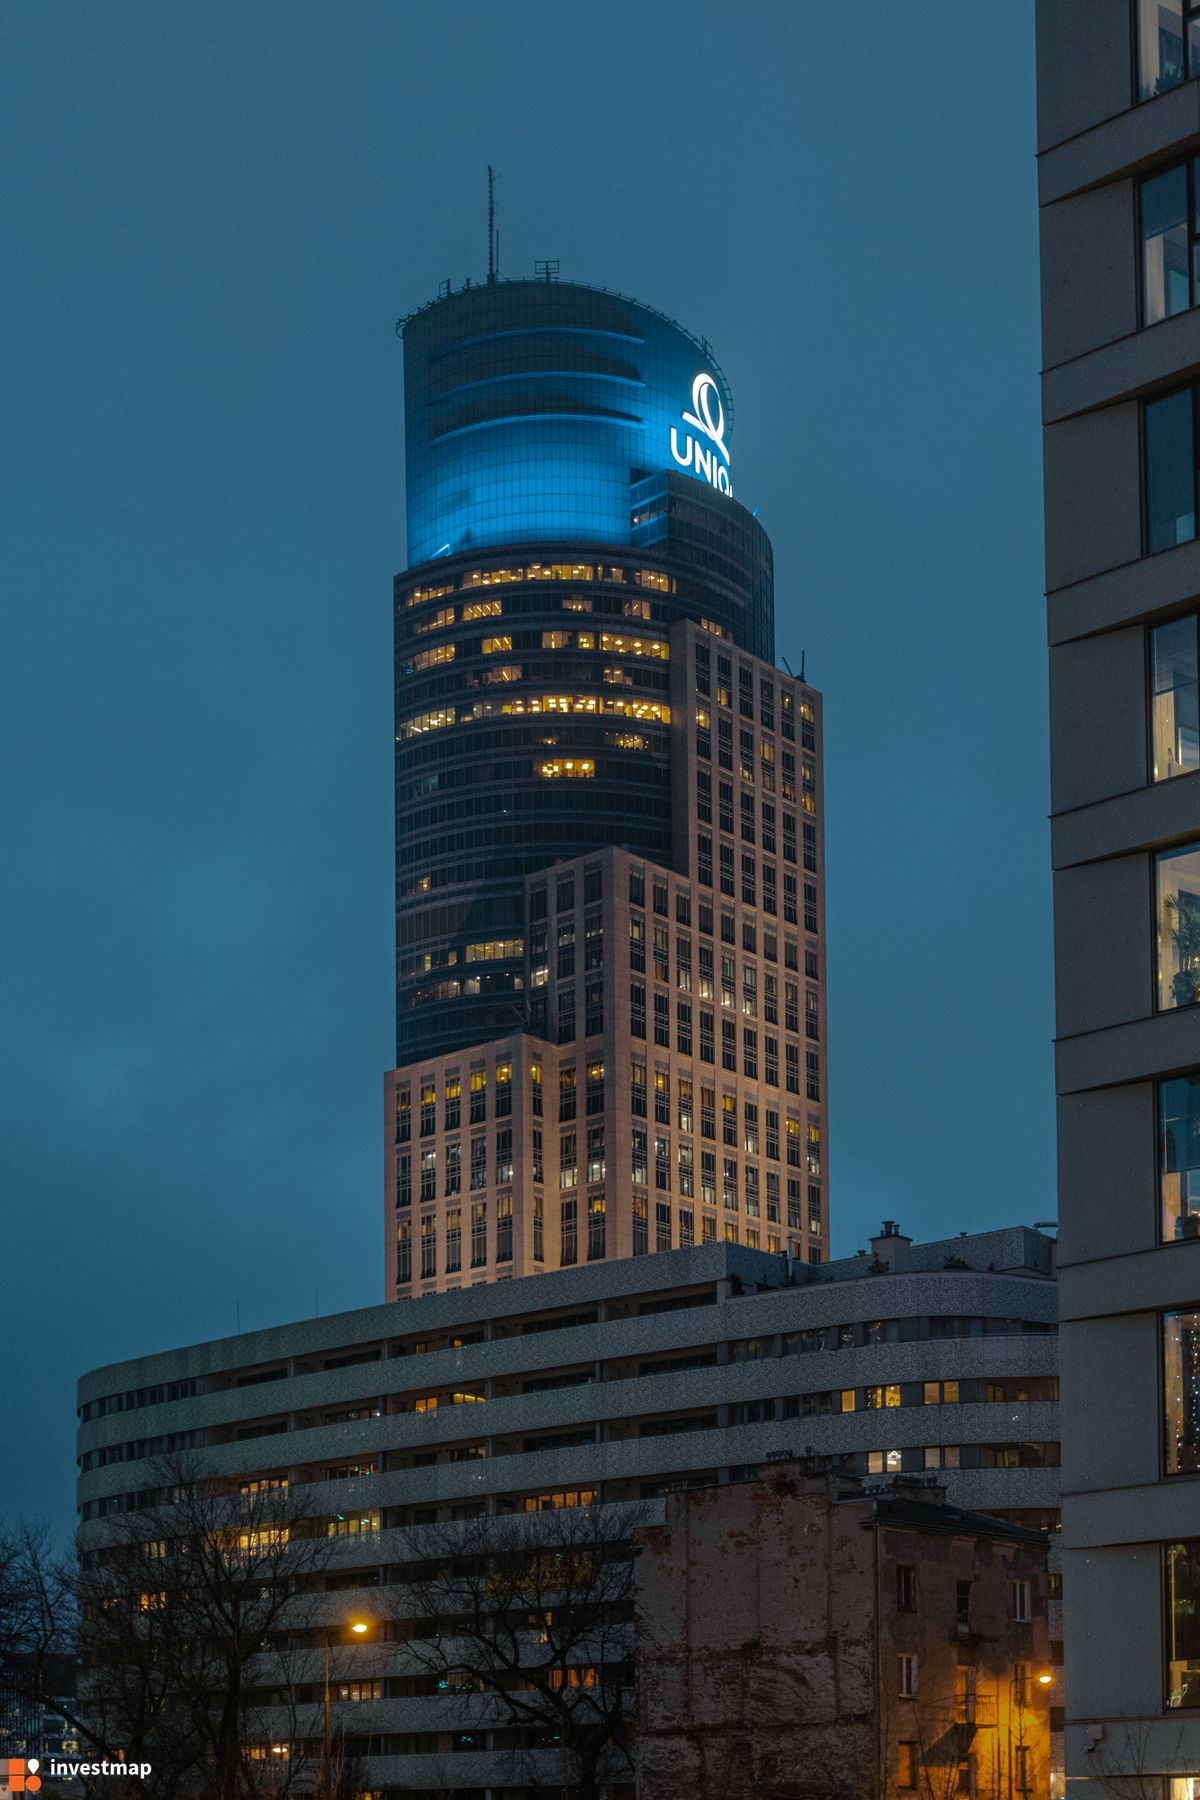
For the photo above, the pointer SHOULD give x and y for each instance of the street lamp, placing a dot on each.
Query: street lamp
(359, 1627)
(1017, 1695)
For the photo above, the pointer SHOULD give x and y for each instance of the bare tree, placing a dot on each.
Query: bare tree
(534, 1611)
(1123, 1765)
(187, 1611)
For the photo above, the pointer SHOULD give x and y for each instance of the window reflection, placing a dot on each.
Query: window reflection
(1181, 1393)
(1170, 471)
(1166, 277)
(1179, 1156)
(1173, 678)
(1183, 1624)
(1179, 928)
(1166, 56)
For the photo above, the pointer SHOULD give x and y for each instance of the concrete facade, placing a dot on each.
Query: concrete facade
(617, 1383)
(1119, 106)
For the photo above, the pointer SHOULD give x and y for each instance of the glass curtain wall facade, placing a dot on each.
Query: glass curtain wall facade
(571, 520)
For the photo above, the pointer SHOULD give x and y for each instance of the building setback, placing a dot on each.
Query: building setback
(609, 824)
(1117, 139)
(798, 1637)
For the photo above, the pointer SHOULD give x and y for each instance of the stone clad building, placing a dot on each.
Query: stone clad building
(609, 819)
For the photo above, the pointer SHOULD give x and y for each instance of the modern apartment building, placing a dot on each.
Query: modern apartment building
(1119, 138)
(608, 811)
(619, 1384)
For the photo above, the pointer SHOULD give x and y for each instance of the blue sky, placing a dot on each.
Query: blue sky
(212, 217)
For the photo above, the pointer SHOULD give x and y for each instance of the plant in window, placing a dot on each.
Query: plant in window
(1183, 916)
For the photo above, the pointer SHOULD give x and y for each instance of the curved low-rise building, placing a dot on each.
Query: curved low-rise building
(611, 1385)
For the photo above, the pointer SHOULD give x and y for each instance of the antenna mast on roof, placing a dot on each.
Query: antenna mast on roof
(493, 235)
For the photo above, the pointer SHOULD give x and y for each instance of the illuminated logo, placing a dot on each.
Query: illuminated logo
(709, 461)
(23, 1777)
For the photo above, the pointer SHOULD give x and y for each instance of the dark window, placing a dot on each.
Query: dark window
(1179, 1157)
(1170, 460)
(906, 1588)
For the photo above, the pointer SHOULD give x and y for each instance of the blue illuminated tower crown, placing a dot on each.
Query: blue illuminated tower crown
(566, 448)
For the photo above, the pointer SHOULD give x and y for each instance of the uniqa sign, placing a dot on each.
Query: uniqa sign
(710, 461)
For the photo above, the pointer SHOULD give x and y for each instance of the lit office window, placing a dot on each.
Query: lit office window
(1179, 928)
(1181, 1393)
(1168, 218)
(1179, 1157)
(1168, 52)
(1183, 1624)
(1170, 470)
(1175, 722)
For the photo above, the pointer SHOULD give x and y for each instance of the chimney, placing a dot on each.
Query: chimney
(891, 1246)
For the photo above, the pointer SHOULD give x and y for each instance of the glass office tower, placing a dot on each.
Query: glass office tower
(583, 678)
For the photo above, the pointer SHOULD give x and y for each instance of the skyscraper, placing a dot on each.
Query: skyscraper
(609, 868)
(1118, 134)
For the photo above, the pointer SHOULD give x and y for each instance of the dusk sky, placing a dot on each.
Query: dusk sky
(212, 217)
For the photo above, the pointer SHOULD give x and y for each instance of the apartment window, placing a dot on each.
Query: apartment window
(1181, 1392)
(906, 1588)
(596, 1218)
(404, 1251)
(1179, 928)
(1183, 1624)
(428, 1246)
(595, 1153)
(593, 999)
(453, 1106)
(568, 1170)
(428, 1174)
(1168, 44)
(539, 1225)
(962, 1605)
(637, 942)
(1179, 1157)
(569, 1240)
(641, 1226)
(637, 1009)
(504, 1156)
(428, 1108)
(1170, 463)
(906, 1765)
(908, 1677)
(479, 1234)
(1175, 719)
(662, 1020)
(478, 1111)
(1169, 229)
(404, 1180)
(503, 1090)
(637, 1088)
(453, 1240)
(478, 1162)
(1022, 1606)
(539, 1167)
